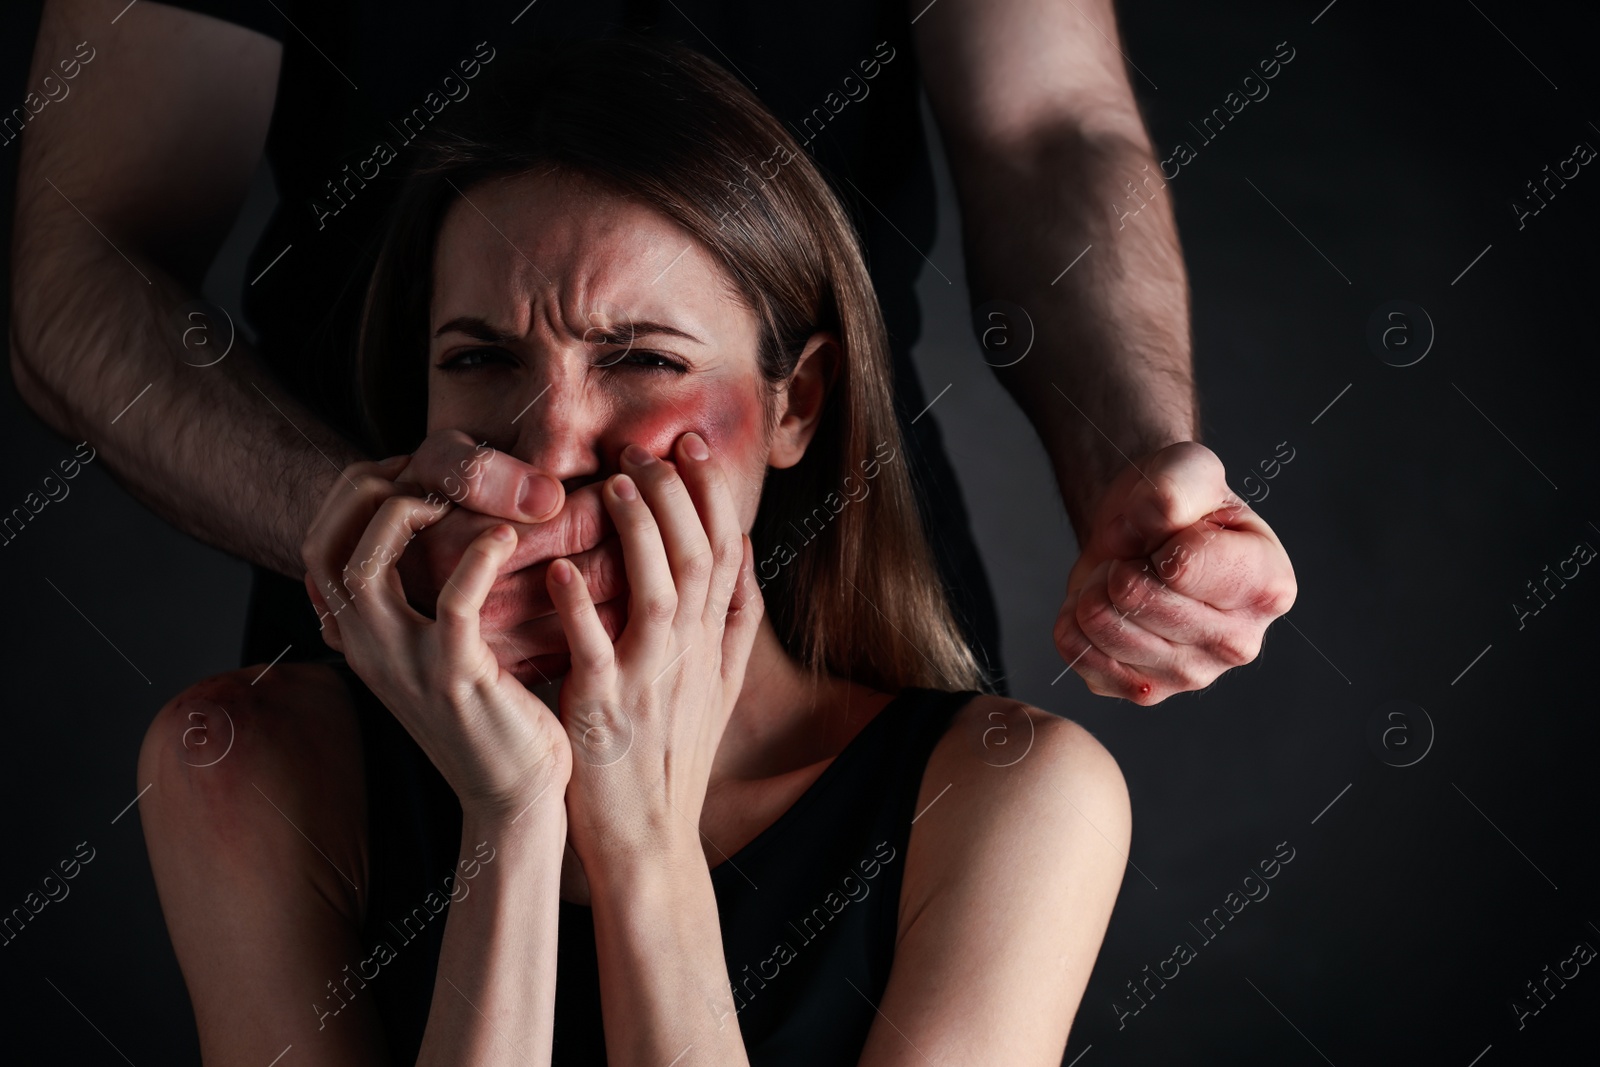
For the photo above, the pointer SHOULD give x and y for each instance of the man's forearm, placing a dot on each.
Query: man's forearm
(1079, 232)
(219, 451)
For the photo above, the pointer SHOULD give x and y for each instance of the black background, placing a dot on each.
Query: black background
(1415, 509)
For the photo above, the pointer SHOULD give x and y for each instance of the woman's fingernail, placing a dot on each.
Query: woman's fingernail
(561, 571)
(624, 487)
(503, 533)
(637, 455)
(695, 446)
(539, 494)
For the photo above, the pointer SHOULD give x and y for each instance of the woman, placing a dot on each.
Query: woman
(763, 789)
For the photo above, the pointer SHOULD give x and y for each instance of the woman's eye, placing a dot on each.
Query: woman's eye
(469, 358)
(645, 360)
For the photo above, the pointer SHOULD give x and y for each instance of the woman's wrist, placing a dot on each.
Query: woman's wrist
(496, 973)
(528, 815)
(516, 853)
(513, 794)
(624, 868)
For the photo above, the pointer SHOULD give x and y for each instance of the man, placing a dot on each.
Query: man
(125, 193)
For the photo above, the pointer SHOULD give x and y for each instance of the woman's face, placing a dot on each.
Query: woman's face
(567, 322)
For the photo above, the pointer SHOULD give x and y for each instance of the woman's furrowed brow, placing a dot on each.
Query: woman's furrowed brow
(476, 328)
(618, 333)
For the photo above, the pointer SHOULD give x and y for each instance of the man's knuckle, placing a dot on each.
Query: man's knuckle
(1098, 617)
(1184, 680)
(1191, 676)
(1276, 596)
(1237, 649)
(1066, 625)
(1206, 462)
(1190, 561)
(1131, 591)
(1168, 497)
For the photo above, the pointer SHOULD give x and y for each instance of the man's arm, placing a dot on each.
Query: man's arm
(1065, 213)
(125, 190)
(1043, 136)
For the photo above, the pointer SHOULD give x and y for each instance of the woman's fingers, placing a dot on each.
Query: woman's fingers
(593, 656)
(468, 586)
(652, 596)
(340, 522)
(688, 549)
(744, 618)
(708, 486)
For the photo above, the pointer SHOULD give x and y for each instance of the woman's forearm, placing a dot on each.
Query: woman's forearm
(663, 977)
(494, 997)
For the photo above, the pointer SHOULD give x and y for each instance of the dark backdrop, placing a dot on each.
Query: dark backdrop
(1382, 166)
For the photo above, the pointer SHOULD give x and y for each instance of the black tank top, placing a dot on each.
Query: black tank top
(808, 909)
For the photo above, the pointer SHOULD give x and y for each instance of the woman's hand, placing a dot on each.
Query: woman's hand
(497, 745)
(645, 716)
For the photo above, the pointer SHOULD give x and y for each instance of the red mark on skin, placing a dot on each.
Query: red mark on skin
(1144, 689)
(726, 413)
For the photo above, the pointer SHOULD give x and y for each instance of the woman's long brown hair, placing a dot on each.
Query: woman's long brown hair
(849, 580)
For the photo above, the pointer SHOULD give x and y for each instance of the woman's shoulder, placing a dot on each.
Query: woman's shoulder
(1028, 746)
(1013, 798)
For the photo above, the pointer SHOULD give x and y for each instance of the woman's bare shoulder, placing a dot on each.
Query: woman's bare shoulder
(1014, 865)
(1010, 780)
(999, 745)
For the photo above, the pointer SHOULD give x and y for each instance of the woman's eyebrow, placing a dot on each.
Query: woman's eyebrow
(475, 328)
(625, 332)
(619, 333)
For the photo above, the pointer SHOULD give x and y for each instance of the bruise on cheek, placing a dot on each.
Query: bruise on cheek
(733, 425)
(726, 414)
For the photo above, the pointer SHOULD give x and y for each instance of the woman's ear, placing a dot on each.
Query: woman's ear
(802, 399)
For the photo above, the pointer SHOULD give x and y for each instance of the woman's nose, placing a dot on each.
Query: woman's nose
(559, 430)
